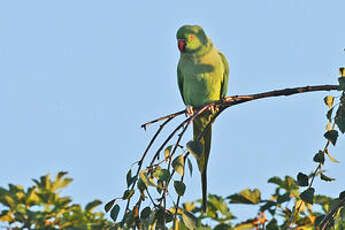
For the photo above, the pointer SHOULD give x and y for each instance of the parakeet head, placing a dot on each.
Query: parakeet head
(191, 39)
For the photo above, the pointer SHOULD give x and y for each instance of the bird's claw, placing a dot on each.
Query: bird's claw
(213, 109)
(190, 110)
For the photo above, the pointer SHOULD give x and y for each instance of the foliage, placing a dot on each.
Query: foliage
(292, 205)
(41, 207)
(274, 212)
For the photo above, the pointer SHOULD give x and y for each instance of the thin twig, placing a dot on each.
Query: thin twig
(179, 197)
(153, 202)
(163, 118)
(140, 163)
(167, 140)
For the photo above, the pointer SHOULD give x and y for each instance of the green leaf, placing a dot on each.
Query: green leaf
(180, 187)
(283, 198)
(245, 225)
(246, 196)
(110, 204)
(129, 218)
(59, 184)
(318, 220)
(275, 180)
(342, 195)
(91, 205)
(288, 183)
(272, 225)
(302, 179)
(8, 201)
(218, 204)
(341, 81)
(308, 195)
(167, 151)
(148, 181)
(319, 157)
(162, 174)
(329, 101)
(60, 175)
(160, 216)
(268, 205)
(128, 194)
(329, 114)
(222, 226)
(189, 220)
(129, 178)
(326, 178)
(195, 148)
(190, 166)
(334, 203)
(340, 115)
(323, 201)
(115, 212)
(160, 186)
(332, 136)
(141, 185)
(145, 213)
(330, 157)
(178, 164)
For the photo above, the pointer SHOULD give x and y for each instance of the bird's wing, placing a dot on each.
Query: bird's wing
(180, 82)
(226, 73)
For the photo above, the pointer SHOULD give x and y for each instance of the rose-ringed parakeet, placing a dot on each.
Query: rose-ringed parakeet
(202, 75)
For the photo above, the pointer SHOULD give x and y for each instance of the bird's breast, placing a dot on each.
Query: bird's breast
(202, 82)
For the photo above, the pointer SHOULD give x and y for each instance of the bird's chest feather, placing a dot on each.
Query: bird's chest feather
(201, 79)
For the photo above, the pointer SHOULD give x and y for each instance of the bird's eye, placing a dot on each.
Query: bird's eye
(191, 37)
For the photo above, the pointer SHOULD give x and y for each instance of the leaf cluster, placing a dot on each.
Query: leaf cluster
(41, 207)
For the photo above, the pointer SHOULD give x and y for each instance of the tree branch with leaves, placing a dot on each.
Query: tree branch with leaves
(158, 177)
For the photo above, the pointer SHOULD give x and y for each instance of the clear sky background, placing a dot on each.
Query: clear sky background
(77, 78)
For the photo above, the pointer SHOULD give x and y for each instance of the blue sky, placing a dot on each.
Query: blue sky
(77, 78)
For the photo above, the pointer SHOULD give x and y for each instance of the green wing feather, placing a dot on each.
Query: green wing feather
(225, 81)
(180, 82)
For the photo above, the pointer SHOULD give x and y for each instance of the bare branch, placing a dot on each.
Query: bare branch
(238, 99)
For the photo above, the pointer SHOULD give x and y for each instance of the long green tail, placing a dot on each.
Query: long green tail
(199, 124)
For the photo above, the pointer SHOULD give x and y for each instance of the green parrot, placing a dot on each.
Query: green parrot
(202, 76)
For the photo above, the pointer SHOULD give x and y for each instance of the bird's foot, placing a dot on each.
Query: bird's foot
(213, 109)
(190, 110)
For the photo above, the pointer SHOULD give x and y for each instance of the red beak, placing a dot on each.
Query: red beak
(181, 44)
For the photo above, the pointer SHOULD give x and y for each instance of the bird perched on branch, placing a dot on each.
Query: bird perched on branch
(202, 75)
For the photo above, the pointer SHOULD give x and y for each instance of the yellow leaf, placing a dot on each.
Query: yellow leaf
(244, 226)
(330, 157)
(329, 101)
(274, 198)
(299, 207)
(189, 207)
(8, 218)
(20, 195)
(342, 71)
(9, 201)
